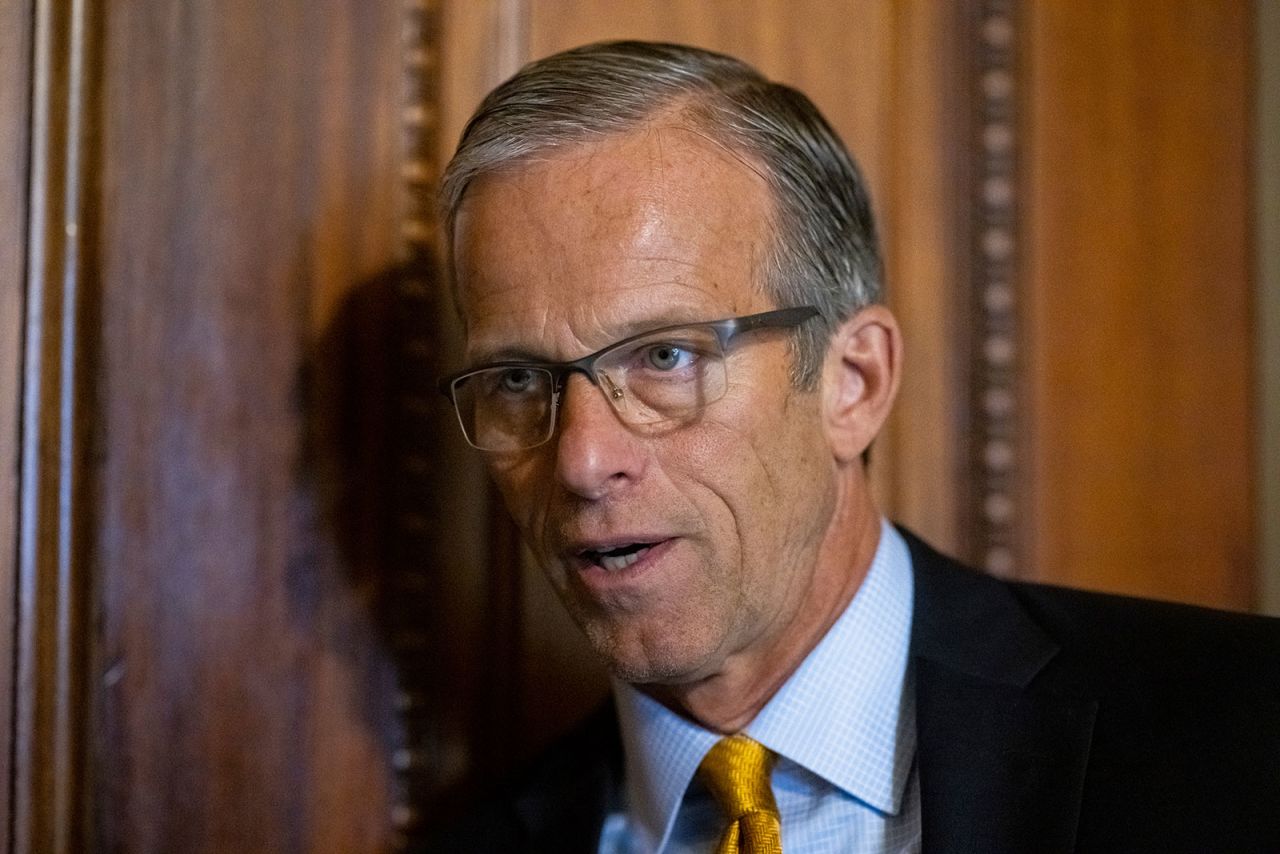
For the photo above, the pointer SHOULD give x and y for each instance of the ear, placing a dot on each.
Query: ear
(860, 380)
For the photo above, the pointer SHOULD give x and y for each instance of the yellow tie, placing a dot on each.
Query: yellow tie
(737, 773)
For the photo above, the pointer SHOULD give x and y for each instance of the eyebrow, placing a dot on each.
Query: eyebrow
(518, 353)
(509, 353)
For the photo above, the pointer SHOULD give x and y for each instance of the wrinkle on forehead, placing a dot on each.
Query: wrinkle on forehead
(587, 327)
(566, 251)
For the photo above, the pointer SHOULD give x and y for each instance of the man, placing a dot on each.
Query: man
(677, 361)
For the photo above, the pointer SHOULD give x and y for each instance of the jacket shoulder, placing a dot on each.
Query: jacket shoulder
(1099, 637)
(1183, 702)
(1160, 643)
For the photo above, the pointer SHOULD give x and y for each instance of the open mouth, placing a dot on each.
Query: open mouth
(617, 558)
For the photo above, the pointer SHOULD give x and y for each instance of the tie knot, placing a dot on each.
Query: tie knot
(736, 771)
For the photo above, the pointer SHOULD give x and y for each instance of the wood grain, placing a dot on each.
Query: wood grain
(926, 260)
(15, 81)
(1140, 314)
(801, 43)
(1267, 288)
(243, 695)
(51, 805)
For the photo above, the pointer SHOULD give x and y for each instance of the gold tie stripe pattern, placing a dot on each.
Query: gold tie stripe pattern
(736, 771)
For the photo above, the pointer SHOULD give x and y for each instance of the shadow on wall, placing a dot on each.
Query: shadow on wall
(409, 511)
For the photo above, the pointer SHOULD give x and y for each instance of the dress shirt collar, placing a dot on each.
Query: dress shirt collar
(843, 714)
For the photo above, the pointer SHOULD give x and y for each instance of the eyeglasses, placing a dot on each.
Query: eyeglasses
(657, 376)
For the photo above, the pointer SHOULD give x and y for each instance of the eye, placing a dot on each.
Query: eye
(516, 380)
(667, 357)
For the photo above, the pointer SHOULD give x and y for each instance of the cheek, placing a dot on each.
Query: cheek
(522, 481)
(726, 468)
(759, 464)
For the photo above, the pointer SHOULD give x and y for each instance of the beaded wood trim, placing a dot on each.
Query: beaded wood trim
(994, 520)
(415, 520)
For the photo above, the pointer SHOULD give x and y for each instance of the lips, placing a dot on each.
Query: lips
(611, 555)
(616, 558)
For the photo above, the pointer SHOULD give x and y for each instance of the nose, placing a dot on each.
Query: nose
(596, 455)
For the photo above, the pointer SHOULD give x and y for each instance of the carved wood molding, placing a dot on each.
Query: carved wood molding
(415, 526)
(446, 754)
(51, 803)
(992, 511)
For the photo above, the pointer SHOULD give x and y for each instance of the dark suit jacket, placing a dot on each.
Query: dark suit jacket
(1049, 720)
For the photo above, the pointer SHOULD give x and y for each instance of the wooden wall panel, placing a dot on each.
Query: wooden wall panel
(1139, 322)
(918, 458)
(1267, 289)
(247, 209)
(804, 43)
(15, 100)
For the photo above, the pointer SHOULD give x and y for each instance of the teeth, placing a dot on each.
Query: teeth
(612, 563)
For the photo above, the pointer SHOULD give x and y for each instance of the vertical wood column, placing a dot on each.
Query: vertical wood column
(51, 803)
(15, 127)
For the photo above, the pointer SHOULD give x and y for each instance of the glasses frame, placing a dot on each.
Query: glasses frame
(725, 331)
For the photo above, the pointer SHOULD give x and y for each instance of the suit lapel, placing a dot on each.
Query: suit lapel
(999, 770)
(1001, 765)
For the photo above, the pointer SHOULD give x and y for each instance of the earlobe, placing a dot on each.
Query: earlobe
(860, 379)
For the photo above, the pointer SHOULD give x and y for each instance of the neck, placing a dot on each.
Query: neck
(729, 699)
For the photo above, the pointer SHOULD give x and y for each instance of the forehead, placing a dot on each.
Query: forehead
(561, 254)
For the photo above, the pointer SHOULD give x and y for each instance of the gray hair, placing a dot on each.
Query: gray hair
(826, 253)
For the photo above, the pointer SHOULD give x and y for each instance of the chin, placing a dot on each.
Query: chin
(670, 662)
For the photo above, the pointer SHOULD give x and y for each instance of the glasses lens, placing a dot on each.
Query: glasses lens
(505, 409)
(670, 374)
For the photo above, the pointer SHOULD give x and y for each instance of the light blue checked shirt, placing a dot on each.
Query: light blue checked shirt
(843, 727)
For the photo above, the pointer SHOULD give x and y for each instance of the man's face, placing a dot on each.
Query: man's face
(563, 256)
